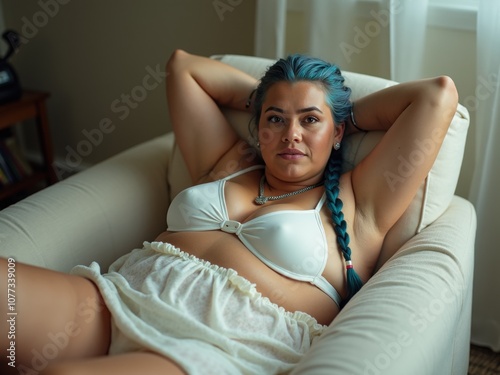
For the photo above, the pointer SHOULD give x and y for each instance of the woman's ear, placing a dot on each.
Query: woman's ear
(339, 132)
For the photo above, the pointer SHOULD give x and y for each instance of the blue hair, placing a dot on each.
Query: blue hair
(297, 68)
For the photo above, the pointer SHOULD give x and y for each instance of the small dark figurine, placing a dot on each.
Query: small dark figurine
(10, 88)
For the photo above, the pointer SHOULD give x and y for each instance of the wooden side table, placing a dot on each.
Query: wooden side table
(32, 105)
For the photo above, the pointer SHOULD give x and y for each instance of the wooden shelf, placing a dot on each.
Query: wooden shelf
(32, 105)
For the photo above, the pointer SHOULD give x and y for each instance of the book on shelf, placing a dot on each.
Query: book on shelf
(13, 165)
(3, 178)
(17, 155)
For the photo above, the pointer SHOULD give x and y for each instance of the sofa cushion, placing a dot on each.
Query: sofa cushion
(431, 200)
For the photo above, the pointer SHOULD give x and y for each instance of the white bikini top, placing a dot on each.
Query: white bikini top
(291, 242)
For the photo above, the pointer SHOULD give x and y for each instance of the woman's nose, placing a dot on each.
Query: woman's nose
(292, 132)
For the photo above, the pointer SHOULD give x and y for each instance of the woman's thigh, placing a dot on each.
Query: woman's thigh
(55, 316)
(144, 363)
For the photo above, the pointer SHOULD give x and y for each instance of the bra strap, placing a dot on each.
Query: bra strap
(321, 202)
(328, 288)
(243, 171)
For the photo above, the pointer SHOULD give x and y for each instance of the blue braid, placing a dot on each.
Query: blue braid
(335, 204)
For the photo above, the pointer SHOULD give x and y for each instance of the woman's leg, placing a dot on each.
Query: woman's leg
(144, 363)
(48, 316)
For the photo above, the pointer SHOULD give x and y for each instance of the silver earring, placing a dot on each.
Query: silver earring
(258, 144)
(336, 146)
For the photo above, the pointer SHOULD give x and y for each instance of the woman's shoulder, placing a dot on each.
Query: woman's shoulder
(240, 158)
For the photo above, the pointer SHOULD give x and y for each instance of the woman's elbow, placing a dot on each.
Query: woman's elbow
(446, 93)
(441, 98)
(175, 61)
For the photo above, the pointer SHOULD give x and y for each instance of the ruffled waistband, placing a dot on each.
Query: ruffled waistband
(239, 282)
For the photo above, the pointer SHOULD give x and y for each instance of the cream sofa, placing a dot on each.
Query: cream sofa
(412, 317)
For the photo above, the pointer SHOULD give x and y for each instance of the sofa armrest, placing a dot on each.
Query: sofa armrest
(413, 315)
(98, 214)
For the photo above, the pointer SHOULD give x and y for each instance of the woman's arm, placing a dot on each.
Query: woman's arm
(196, 88)
(416, 116)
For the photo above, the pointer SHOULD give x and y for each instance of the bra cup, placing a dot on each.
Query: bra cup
(196, 208)
(289, 242)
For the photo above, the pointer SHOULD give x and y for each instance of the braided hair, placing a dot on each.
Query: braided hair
(337, 96)
(335, 204)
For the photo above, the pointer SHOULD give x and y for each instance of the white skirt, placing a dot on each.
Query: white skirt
(207, 319)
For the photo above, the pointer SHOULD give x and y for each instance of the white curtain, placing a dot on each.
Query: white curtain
(270, 28)
(332, 33)
(486, 180)
(330, 26)
(408, 24)
(335, 33)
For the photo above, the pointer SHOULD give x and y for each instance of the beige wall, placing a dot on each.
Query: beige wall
(103, 62)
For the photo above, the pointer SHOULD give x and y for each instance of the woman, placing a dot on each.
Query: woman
(263, 251)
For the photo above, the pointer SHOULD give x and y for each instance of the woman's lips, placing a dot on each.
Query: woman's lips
(291, 154)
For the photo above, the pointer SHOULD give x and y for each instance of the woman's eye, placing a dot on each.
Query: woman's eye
(275, 119)
(311, 120)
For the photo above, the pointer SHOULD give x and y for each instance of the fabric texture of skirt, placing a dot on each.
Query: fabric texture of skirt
(207, 319)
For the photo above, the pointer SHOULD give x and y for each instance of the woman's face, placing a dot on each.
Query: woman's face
(297, 131)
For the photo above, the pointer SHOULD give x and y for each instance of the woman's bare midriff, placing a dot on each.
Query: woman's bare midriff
(226, 250)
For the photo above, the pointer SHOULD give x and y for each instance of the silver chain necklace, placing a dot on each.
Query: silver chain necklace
(261, 199)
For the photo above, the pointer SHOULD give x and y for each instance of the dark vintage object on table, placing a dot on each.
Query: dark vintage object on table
(10, 87)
